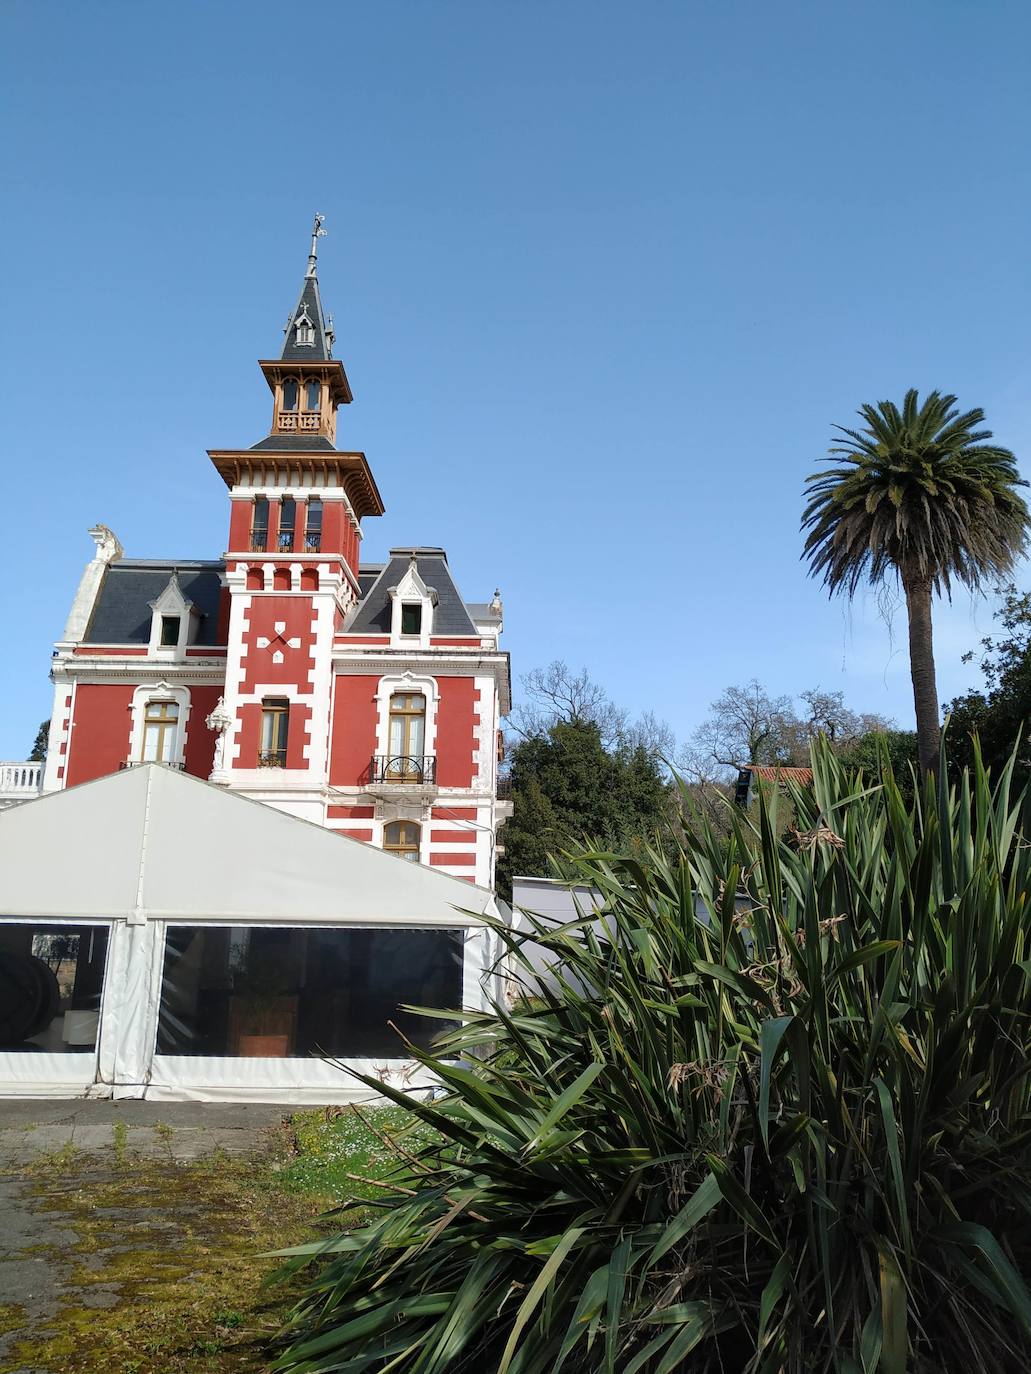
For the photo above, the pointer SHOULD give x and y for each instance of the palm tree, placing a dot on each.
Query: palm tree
(920, 495)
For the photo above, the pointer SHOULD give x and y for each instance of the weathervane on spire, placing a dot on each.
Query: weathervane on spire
(317, 232)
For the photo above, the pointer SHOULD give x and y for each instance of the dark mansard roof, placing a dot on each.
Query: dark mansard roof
(122, 613)
(450, 616)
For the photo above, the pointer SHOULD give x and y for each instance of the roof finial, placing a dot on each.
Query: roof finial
(317, 232)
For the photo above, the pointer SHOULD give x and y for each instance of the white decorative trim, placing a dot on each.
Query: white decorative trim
(406, 682)
(109, 550)
(159, 691)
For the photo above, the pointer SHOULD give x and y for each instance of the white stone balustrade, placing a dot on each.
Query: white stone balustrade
(20, 782)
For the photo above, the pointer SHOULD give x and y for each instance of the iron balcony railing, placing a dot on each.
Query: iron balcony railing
(313, 541)
(165, 763)
(272, 758)
(403, 768)
(259, 541)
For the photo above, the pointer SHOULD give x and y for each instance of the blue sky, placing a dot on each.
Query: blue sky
(603, 276)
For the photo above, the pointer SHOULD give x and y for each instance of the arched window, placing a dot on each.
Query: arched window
(255, 579)
(402, 838)
(313, 395)
(407, 738)
(160, 722)
(290, 394)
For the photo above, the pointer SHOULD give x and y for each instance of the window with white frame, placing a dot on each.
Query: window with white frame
(160, 712)
(160, 732)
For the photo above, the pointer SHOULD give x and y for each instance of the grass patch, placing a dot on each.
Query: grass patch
(344, 1152)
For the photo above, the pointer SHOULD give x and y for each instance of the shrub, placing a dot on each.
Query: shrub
(779, 1122)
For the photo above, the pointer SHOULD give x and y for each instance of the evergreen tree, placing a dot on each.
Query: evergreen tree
(1000, 713)
(39, 748)
(567, 786)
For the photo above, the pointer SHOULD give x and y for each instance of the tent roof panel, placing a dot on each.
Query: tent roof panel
(128, 842)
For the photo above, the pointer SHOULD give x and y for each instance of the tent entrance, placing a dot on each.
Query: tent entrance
(52, 980)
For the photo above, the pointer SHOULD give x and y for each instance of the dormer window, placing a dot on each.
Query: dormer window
(174, 622)
(304, 329)
(412, 603)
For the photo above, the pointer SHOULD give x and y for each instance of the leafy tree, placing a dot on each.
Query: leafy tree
(896, 748)
(39, 747)
(921, 499)
(1002, 712)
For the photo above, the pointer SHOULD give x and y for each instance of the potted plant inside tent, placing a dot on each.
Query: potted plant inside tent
(263, 1009)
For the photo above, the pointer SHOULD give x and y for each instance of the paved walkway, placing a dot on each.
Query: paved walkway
(187, 1130)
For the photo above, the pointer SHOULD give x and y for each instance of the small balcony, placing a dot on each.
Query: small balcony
(415, 770)
(165, 763)
(272, 758)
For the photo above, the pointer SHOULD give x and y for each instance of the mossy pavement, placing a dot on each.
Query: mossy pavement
(134, 1236)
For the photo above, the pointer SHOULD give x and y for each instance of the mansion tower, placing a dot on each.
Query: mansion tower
(364, 697)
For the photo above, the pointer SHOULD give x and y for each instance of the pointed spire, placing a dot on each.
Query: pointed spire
(317, 232)
(307, 337)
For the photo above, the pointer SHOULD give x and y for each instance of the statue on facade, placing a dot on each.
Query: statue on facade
(221, 722)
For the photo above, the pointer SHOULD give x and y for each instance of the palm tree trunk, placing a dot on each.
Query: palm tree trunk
(921, 667)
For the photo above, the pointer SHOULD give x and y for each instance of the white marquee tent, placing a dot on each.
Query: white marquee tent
(163, 938)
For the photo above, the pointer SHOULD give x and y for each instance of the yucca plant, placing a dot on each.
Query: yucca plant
(774, 1120)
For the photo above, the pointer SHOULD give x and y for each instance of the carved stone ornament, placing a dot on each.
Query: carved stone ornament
(109, 550)
(221, 722)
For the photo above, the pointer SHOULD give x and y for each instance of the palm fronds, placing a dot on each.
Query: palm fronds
(919, 492)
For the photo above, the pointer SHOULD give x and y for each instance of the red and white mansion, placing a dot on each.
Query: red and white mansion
(365, 697)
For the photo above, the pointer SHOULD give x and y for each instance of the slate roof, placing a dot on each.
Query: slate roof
(320, 351)
(122, 613)
(450, 616)
(295, 443)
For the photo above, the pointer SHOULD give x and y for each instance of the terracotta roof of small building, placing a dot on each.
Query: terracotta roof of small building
(777, 772)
